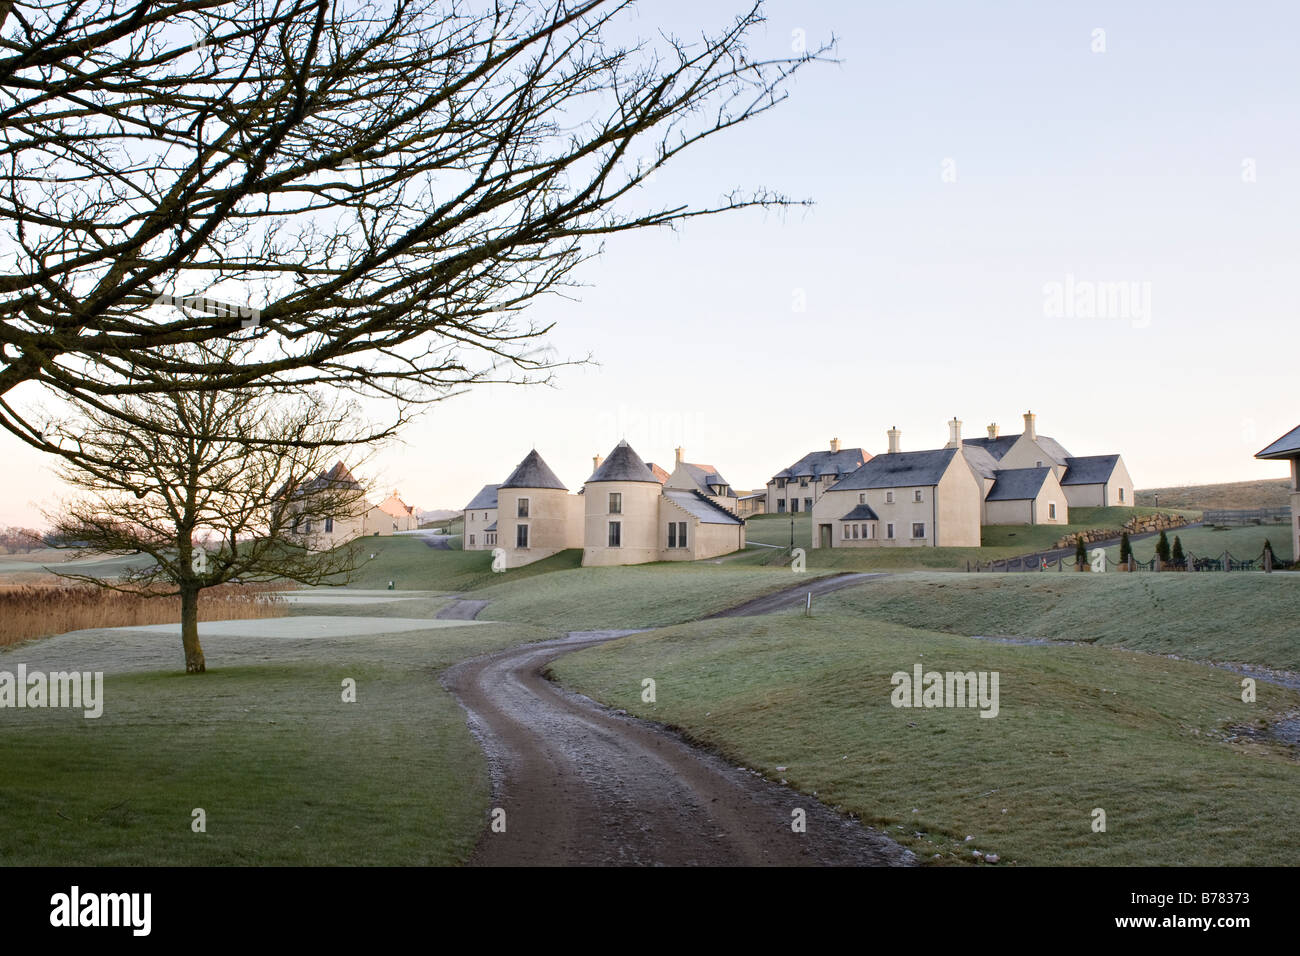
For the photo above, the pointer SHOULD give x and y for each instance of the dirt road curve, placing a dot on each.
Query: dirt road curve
(581, 785)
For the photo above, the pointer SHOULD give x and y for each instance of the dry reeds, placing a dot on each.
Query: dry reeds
(29, 611)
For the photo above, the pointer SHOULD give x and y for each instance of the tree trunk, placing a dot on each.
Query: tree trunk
(194, 662)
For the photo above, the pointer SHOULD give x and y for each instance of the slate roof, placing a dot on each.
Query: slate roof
(698, 506)
(1288, 446)
(623, 464)
(338, 478)
(998, 447)
(1018, 484)
(1092, 470)
(818, 463)
(899, 470)
(485, 500)
(980, 459)
(861, 513)
(706, 475)
(533, 472)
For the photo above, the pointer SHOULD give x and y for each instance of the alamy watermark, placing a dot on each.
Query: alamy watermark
(1088, 299)
(950, 689)
(36, 689)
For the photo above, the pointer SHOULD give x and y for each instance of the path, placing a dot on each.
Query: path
(583, 785)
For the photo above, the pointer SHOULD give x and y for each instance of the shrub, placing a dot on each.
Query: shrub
(1178, 556)
(1162, 548)
(1125, 549)
(1080, 552)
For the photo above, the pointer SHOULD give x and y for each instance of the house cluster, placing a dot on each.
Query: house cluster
(628, 511)
(942, 497)
(322, 533)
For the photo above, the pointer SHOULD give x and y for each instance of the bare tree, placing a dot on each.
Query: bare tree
(205, 509)
(372, 192)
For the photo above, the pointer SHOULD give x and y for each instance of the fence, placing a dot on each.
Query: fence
(1251, 516)
(1190, 562)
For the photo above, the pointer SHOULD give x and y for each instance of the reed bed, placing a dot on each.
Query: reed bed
(30, 611)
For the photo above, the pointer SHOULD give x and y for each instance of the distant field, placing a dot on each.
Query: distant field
(1233, 496)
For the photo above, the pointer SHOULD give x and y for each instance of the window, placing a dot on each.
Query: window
(521, 536)
(869, 530)
(681, 534)
(490, 538)
(780, 482)
(862, 498)
(1051, 510)
(803, 482)
(522, 511)
(1038, 464)
(889, 500)
(308, 529)
(1121, 496)
(780, 506)
(918, 529)
(846, 531)
(471, 541)
(794, 504)
(916, 495)
(855, 530)
(329, 525)
(615, 503)
(889, 531)
(672, 534)
(807, 504)
(616, 534)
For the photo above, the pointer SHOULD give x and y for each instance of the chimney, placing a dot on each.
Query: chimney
(1030, 432)
(835, 445)
(954, 433)
(993, 431)
(894, 434)
(680, 451)
(596, 462)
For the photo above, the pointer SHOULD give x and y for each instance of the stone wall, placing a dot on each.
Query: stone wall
(1138, 524)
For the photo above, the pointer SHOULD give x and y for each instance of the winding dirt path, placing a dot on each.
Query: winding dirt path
(583, 785)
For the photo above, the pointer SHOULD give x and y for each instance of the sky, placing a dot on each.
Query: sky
(1012, 211)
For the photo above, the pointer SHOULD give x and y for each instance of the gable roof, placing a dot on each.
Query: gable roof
(393, 505)
(1091, 470)
(484, 500)
(698, 506)
(623, 464)
(861, 513)
(1018, 484)
(998, 447)
(533, 472)
(1288, 446)
(980, 459)
(706, 475)
(899, 470)
(658, 472)
(818, 463)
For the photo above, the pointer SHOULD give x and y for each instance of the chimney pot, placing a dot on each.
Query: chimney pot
(835, 444)
(894, 435)
(1031, 431)
(596, 462)
(993, 431)
(680, 452)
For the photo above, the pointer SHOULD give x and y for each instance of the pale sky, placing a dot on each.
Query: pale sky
(971, 165)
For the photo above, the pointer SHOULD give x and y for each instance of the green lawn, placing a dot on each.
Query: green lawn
(1241, 617)
(287, 773)
(1143, 738)
(1243, 543)
(412, 565)
(646, 595)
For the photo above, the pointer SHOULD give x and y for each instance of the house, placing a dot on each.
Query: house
(536, 515)
(1287, 448)
(346, 515)
(481, 520)
(627, 512)
(751, 503)
(943, 497)
(798, 487)
(1097, 481)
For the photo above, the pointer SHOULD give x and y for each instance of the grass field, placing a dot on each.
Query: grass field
(1241, 617)
(412, 565)
(1241, 542)
(286, 772)
(1236, 496)
(1181, 767)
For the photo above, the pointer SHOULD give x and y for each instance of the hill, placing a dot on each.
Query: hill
(1237, 495)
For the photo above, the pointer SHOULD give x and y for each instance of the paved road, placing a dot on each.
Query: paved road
(582, 785)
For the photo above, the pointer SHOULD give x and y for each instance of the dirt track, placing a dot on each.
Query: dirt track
(581, 785)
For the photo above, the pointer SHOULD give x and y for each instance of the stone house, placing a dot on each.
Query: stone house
(797, 488)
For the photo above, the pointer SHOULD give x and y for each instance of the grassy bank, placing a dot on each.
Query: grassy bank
(1146, 739)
